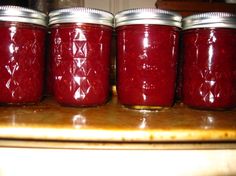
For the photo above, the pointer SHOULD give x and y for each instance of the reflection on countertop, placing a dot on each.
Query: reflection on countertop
(112, 122)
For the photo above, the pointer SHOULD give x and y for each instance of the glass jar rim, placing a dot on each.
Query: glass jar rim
(22, 14)
(210, 19)
(81, 15)
(147, 16)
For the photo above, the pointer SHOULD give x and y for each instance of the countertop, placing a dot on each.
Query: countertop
(114, 123)
(114, 139)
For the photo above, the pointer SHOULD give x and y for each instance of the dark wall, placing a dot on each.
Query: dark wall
(23, 3)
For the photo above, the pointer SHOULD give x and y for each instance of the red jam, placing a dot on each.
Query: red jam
(80, 63)
(146, 64)
(209, 68)
(21, 63)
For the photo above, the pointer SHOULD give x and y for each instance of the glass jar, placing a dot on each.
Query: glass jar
(22, 33)
(147, 51)
(80, 52)
(209, 73)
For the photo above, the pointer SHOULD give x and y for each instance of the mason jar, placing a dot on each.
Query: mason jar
(209, 73)
(22, 33)
(147, 52)
(80, 42)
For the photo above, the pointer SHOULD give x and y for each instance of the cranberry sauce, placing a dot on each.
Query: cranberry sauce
(146, 63)
(147, 51)
(21, 63)
(80, 53)
(80, 63)
(209, 71)
(210, 68)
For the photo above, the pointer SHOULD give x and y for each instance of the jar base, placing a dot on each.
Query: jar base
(141, 107)
(19, 104)
(212, 108)
(82, 105)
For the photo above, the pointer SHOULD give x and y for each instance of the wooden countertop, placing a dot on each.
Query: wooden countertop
(114, 123)
(49, 133)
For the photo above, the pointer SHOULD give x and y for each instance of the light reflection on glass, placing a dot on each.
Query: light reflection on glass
(210, 57)
(144, 97)
(81, 93)
(145, 46)
(211, 52)
(12, 32)
(196, 45)
(145, 42)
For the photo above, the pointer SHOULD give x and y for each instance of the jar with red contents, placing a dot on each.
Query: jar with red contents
(147, 51)
(22, 34)
(209, 72)
(80, 51)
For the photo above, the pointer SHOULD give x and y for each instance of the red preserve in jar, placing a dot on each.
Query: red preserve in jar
(22, 34)
(147, 51)
(80, 52)
(209, 73)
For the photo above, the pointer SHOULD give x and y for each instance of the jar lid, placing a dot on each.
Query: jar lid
(210, 19)
(81, 15)
(21, 14)
(147, 16)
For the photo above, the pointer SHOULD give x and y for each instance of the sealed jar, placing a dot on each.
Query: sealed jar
(147, 51)
(22, 34)
(80, 51)
(209, 73)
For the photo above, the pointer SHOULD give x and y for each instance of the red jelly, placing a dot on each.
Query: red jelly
(147, 43)
(22, 34)
(80, 53)
(209, 73)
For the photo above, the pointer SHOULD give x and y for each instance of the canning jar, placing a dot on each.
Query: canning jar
(209, 73)
(80, 51)
(22, 34)
(147, 51)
